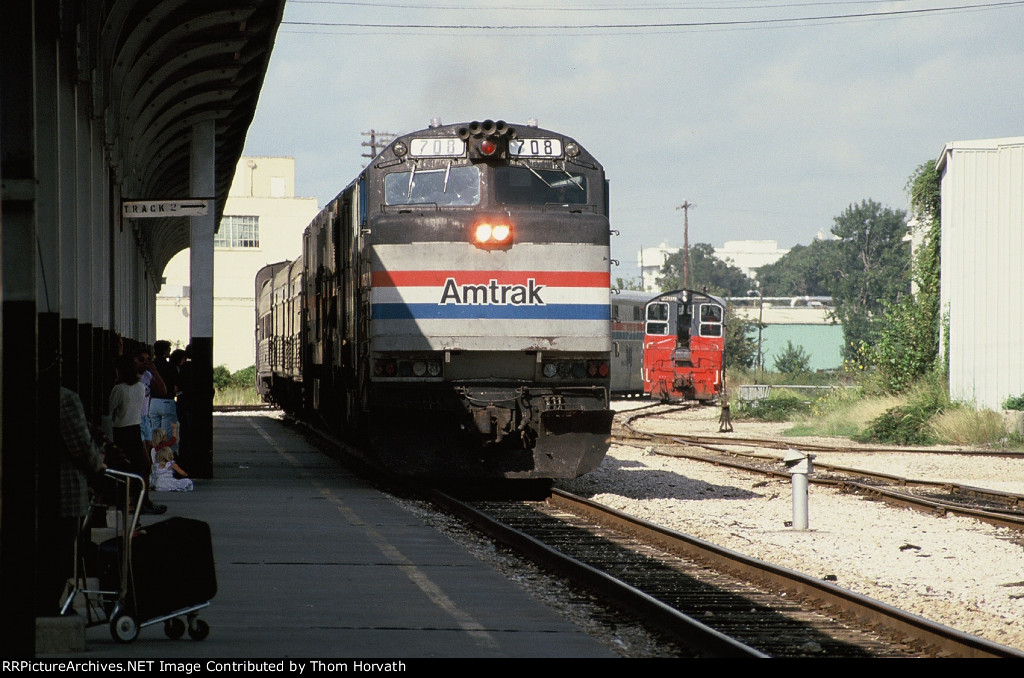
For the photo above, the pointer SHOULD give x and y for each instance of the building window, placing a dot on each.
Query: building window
(238, 232)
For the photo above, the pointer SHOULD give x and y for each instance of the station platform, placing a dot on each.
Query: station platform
(312, 562)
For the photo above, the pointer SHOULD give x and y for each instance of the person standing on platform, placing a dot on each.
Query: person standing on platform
(153, 385)
(126, 401)
(80, 458)
(181, 363)
(163, 411)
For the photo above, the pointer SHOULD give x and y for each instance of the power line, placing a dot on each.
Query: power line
(672, 24)
(589, 7)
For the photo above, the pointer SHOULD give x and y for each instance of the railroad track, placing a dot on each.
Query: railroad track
(245, 408)
(709, 600)
(706, 600)
(1003, 509)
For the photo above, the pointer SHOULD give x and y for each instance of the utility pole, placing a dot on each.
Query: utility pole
(686, 207)
(377, 139)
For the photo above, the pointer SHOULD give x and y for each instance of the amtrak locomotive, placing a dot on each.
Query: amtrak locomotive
(450, 308)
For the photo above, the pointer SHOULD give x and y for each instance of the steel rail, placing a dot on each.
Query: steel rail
(680, 627)
(943, 639)
(1010, 519)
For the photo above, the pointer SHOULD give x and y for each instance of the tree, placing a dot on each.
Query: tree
(740, 341)
(803, 271)
(793, 360)
(908, 343)
(706, 271)
(870, 269)
(629, 284)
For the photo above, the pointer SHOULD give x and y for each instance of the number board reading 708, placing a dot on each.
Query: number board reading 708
(437, 147)
(537, 148)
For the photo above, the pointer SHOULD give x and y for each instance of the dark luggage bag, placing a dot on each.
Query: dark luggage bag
(171, 567)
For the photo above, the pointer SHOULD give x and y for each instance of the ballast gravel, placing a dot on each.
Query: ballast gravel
(952, 570)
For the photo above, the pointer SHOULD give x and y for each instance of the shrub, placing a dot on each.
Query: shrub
(793, 360)
(221, 377)
(781, 405)
(908, 424)
(1014, 403)
(244, 378)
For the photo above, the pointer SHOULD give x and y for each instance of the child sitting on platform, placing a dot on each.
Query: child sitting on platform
(164, 471)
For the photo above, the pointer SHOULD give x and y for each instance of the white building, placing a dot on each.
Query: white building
(982, 271)
(262, 224)
(650, 261)
(747, 255)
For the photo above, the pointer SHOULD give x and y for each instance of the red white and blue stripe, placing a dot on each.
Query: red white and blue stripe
(529, 297)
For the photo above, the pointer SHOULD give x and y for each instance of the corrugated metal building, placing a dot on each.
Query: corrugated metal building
(983, 267)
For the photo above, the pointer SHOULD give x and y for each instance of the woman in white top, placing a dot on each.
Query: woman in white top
(126, 401)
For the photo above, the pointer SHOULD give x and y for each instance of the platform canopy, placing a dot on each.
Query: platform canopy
(162, 66)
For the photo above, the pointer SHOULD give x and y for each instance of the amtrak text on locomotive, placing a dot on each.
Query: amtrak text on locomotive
(492, 294)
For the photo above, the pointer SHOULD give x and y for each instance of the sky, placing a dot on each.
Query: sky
(771, 116)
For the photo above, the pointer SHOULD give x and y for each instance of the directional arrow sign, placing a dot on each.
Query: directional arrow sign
(152, 209)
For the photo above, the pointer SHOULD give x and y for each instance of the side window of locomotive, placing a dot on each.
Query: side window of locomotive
(515, 185)
(710, 313)
(446, 187)
(657, 315)
(710, 320)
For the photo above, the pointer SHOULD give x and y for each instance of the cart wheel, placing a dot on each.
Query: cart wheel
(174, 628)
(123, 628)
(198, 629)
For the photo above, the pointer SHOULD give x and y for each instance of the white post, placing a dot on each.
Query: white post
(799, 464)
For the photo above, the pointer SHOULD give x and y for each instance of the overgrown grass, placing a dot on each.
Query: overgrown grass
(921, 416)
(967, 426)
(236, 395)
(844, 413)
(238, 388)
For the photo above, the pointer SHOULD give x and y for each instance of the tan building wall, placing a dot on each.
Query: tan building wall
(263, 187)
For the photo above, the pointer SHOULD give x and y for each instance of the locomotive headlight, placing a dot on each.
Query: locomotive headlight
(572, 150)
(400, 149)
(490, 234)
(483, 233)
(419, 368)
(500, 232)
(550, 370)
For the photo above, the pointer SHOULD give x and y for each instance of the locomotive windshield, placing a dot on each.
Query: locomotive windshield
(524, 185)
(710, 320)
(446, 187)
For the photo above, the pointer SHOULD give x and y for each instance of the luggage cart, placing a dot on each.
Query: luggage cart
(130, 596)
